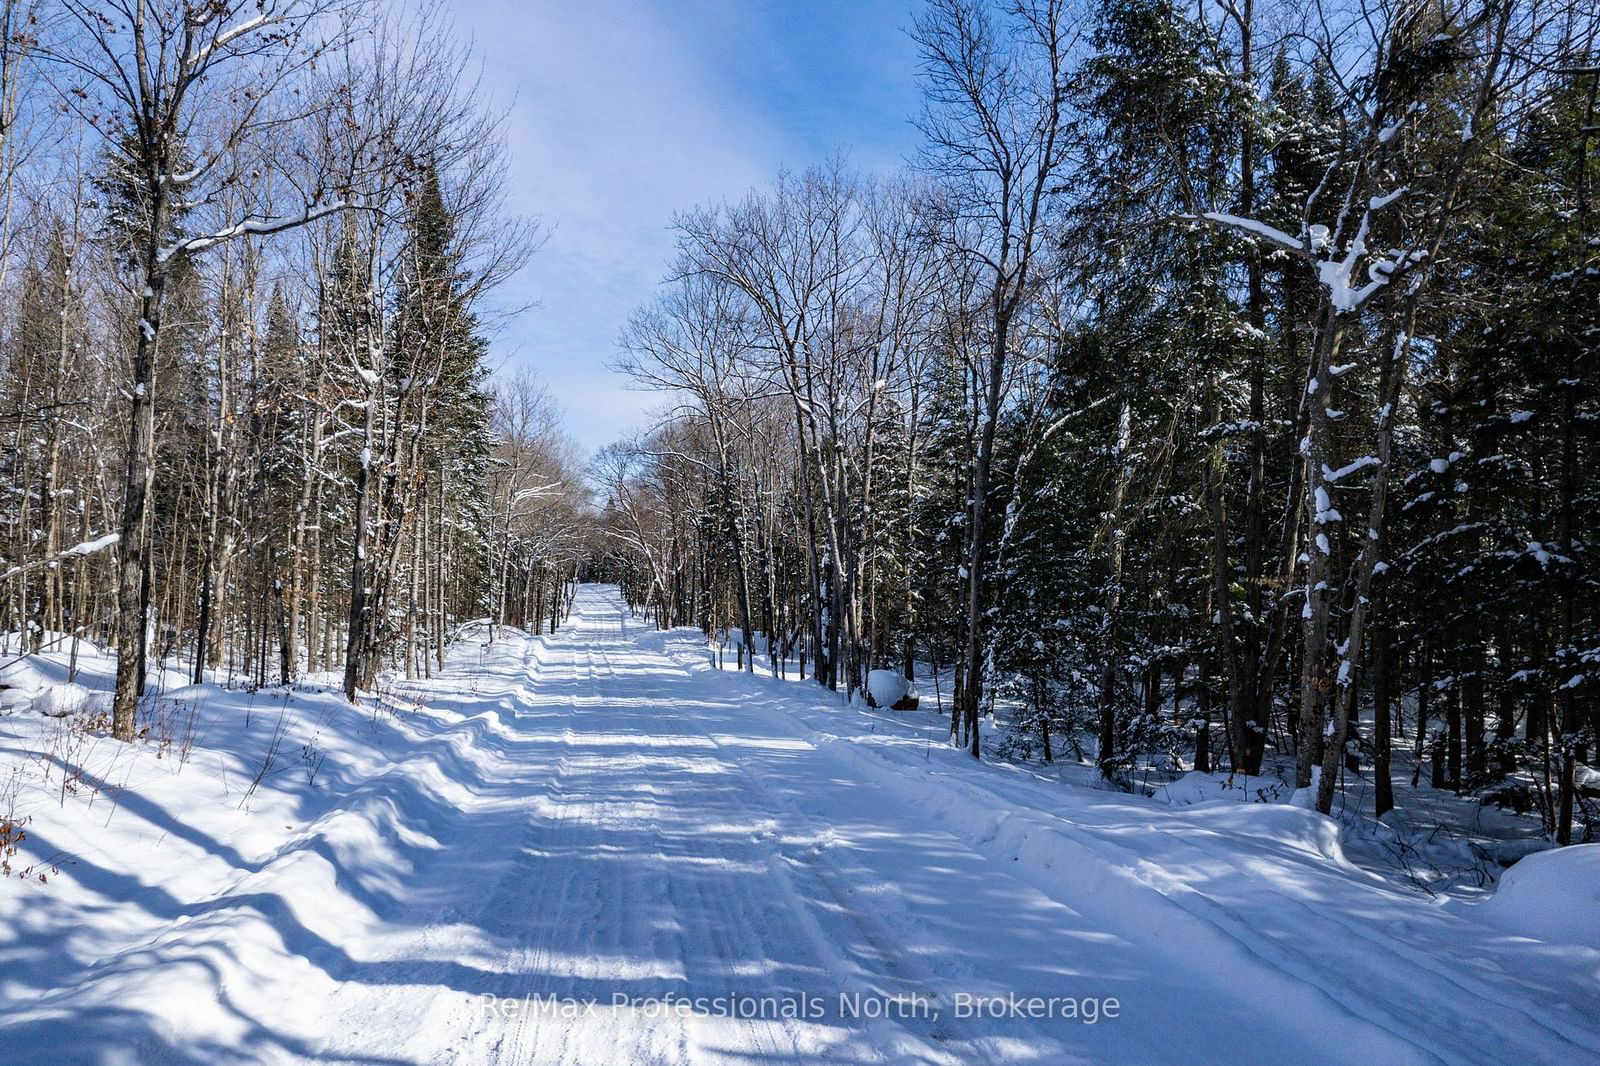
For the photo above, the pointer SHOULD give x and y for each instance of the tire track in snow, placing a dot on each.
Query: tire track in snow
(812, 887)
(695, 832)
(1346, 988)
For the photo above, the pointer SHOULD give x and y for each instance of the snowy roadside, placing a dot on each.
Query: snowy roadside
(1244, 884)
(602, 812)
(1435, 843)
(213, 869)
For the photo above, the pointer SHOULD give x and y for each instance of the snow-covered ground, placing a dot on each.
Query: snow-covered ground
(550, 853)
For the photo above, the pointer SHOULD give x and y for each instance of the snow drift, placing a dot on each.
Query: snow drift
(1552, 896)
(276, 876)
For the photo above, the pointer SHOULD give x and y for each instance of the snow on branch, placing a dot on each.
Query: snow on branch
(1250, 227)
(1334, 476)
(203, 54)
(253, 226)
(1336, 275)
(88, 547)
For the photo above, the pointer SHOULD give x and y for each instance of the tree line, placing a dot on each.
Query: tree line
(1217, 381)
(246, 252)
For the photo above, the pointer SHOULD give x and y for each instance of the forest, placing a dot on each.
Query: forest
(250, 425)
(520, 548)
(1214, 385)
(1217, 382)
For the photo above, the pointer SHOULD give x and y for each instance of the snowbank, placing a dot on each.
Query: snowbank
(58, 701)
(21, 681)
(277, 876)
(887, 687)
(1259, 897)
(1552, 895)
(220, 879)
(39, 683)
(1196, 787)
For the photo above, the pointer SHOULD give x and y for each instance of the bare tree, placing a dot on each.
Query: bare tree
(193, 101)
(997, 97)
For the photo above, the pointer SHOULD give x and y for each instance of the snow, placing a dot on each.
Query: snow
(1196, 787)
(1256, 228)
(1336, 275)
(1378, 203)
(61, 700)
(1552, 896)
(1325, 511)
(90, 547)
(33, 683)
(202, 53)
(247, 226)
(888, 687)
(1335, 476)
(595, 847)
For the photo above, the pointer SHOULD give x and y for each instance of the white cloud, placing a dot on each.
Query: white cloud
(625, 112)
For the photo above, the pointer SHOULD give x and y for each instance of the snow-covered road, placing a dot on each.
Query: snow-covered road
(600, 829)
(696, 835)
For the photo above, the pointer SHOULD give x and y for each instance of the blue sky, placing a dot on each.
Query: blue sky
(624, 111)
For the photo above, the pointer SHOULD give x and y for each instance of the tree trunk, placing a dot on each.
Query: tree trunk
(1382, 670)
(132, 555)
(1115, 543)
